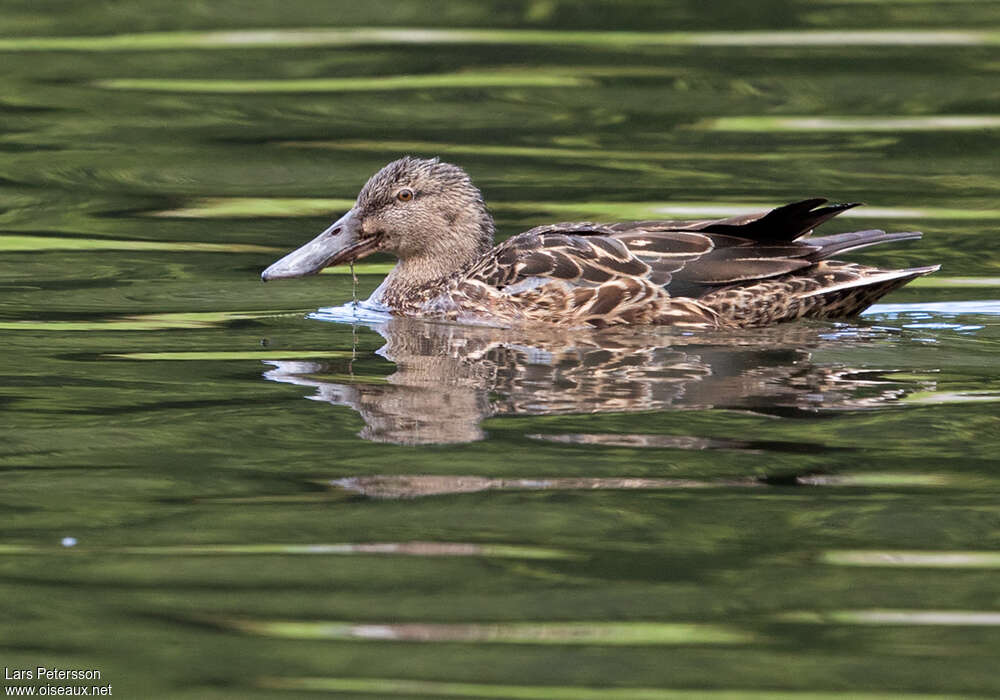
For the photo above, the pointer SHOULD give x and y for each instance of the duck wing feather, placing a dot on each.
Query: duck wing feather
(687, 258)
(621, 271)
(583, 273)
(586, 254)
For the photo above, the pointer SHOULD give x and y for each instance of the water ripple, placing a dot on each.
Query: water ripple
(357, 36)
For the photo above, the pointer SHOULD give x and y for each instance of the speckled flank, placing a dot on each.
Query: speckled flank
(830, 289)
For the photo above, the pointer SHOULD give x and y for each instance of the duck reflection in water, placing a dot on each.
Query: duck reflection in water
(450, 378)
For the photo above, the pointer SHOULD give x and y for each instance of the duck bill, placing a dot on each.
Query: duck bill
(338, 244)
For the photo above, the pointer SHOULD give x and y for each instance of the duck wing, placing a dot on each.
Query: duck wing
(687, 258)
(651, 271)
(589, 254)
(583, 273)
(744, 248)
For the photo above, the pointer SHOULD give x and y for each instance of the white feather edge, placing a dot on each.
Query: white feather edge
(887, 276)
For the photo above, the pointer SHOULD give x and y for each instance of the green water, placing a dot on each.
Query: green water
(208, 494)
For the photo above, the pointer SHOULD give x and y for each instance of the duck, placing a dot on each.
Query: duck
(745, 271)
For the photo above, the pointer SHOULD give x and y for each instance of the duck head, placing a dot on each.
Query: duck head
(426, 213)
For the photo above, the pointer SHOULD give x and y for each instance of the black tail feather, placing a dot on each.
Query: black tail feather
(786, 223)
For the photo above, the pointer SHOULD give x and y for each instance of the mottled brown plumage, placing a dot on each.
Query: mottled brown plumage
(749, 270)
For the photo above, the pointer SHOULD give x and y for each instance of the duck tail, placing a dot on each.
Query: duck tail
(786, 223)
(851, 297)
(844, 242)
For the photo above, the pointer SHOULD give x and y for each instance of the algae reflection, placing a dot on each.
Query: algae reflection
(448, 379)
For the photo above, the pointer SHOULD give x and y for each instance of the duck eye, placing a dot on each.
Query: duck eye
(404, 195)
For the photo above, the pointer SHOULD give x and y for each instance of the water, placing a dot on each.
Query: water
(213, 490)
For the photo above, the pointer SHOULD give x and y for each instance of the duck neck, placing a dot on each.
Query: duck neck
(419, 277)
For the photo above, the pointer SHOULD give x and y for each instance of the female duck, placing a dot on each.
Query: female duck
(750, 270)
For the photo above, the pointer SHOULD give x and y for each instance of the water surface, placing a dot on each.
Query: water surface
(216, 488)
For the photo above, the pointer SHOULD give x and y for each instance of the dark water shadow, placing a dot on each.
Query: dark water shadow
(449, 379)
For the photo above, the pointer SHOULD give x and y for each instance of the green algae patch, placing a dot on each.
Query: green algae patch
(908, 559)
(145, 322)
(465, 79)
(21, 243)
(249, 207)
(288, 207)
(599, 633)
(383, 687)
(935, 123)
(882, 617)
(233, 355)
(360, 36)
